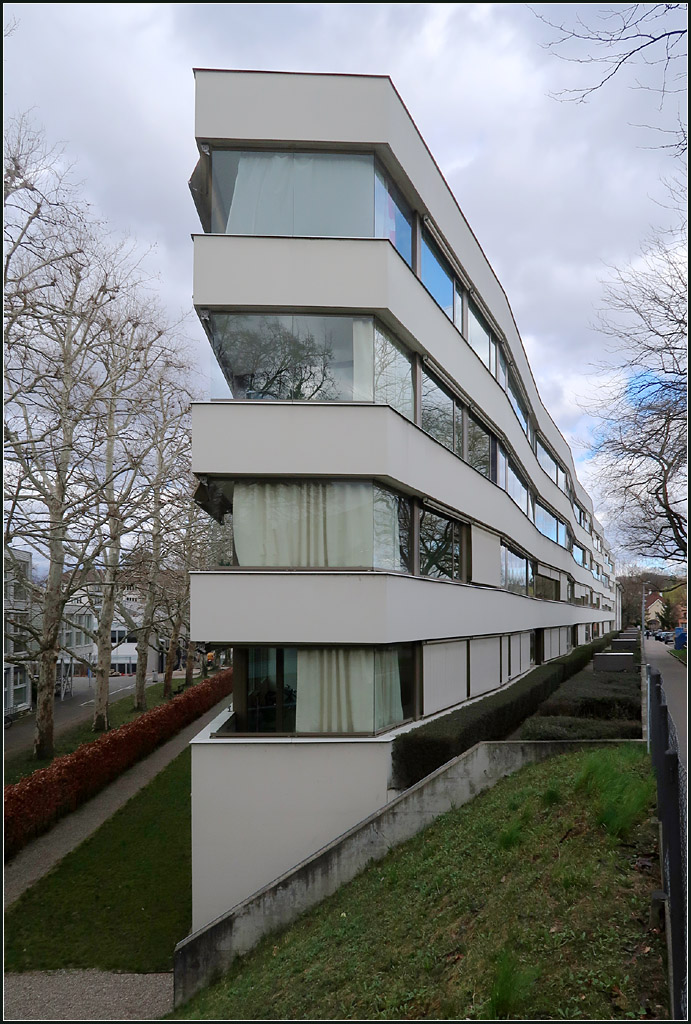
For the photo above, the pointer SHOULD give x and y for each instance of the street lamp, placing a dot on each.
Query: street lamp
(646, 583)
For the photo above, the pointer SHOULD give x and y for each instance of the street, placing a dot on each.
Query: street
(68, 712)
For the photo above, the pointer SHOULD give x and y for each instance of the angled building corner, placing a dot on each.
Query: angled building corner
(399, 526)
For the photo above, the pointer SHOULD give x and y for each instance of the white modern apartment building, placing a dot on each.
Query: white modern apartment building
(401, 526)
(18, 666)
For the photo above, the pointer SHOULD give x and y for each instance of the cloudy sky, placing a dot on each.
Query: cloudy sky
(555, 191)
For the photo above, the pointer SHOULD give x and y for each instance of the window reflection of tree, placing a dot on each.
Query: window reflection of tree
(478, 447)
(437, 411)
(437, 547)
(272, 361)
(393, 375)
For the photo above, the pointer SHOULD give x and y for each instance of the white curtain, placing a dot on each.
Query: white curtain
(263, 197)
(335, 690)
(388, 709)
(348, 690)
(303, 524)
(387, 541)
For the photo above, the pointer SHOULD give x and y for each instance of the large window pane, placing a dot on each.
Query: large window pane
(478, 333)
(479, 447)
(514, 571)
(546, 522)
(280, 193)
(393, 374)
(392, 216)
(437, 546)
(546, 461)
(437, 411)
(436, 275)
(517, 403)
(516, 488)
(295, 358)
(312, 524)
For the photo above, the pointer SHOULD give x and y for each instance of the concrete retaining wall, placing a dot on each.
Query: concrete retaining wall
(624, 644)
(206, 954)
(613, 661)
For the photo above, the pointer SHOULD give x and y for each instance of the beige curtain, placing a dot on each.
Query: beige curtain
(303, 524)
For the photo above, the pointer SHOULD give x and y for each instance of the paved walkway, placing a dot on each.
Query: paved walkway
(90, 995)
(675, 683)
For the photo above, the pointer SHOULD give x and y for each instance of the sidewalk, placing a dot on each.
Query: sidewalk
(90, 995)
(675, 683)
(36, 859)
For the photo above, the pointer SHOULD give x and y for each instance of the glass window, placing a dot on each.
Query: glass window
(579, 554)
(501, 366)
(478, 333)
(517, 403)
(500, 465)
(479, 447)
(324, 690)
(562, 534)
(514, 571)
(436, 275)
(516, 488)
(562, 482)
(437, 411)
(458, 306)
(546, 589)
(393, 374)
(441, 547)
(546, 461)
(392, 216)
(295, 358)
(546, 522)
(458, 429)
(316, 524)
(301, 194)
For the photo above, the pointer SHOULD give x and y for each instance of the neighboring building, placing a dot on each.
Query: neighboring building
(654, 607)
(403, 526)
(17, 610)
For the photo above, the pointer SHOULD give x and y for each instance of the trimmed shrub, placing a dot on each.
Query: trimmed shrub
(33, 804)
(422, 750)
(565, 727)
(596, 695)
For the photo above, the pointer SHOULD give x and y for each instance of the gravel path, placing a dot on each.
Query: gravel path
(87, 995)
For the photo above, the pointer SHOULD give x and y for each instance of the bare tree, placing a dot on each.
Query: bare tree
(641, 445)
(82, 353)
(647, 39)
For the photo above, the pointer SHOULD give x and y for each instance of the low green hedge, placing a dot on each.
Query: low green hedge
(421, 751)
(596, 695)
(565, 727)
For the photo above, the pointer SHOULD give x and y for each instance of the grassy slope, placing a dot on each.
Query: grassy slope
(518, 903)
(680, 655)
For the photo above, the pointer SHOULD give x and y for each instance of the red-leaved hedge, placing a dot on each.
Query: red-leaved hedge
(34, 803)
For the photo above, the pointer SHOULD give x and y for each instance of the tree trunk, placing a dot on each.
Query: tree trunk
(170, 660)
(189, 667)
(143, 638)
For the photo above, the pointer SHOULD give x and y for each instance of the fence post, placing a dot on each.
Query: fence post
(674, 883)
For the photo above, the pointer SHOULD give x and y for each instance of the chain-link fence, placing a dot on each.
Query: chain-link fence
(672, 812)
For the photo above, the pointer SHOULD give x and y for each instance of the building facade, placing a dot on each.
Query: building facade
(19, 665)
(399, 525)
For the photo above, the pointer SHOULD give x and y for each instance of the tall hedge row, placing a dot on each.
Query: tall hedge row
(423, 750)
(33, 804)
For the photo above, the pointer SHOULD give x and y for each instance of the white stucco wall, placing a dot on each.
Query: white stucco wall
(261, 806)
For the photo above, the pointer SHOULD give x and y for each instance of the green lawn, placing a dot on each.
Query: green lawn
(119, 712)
(681, 655)
(121, 900)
